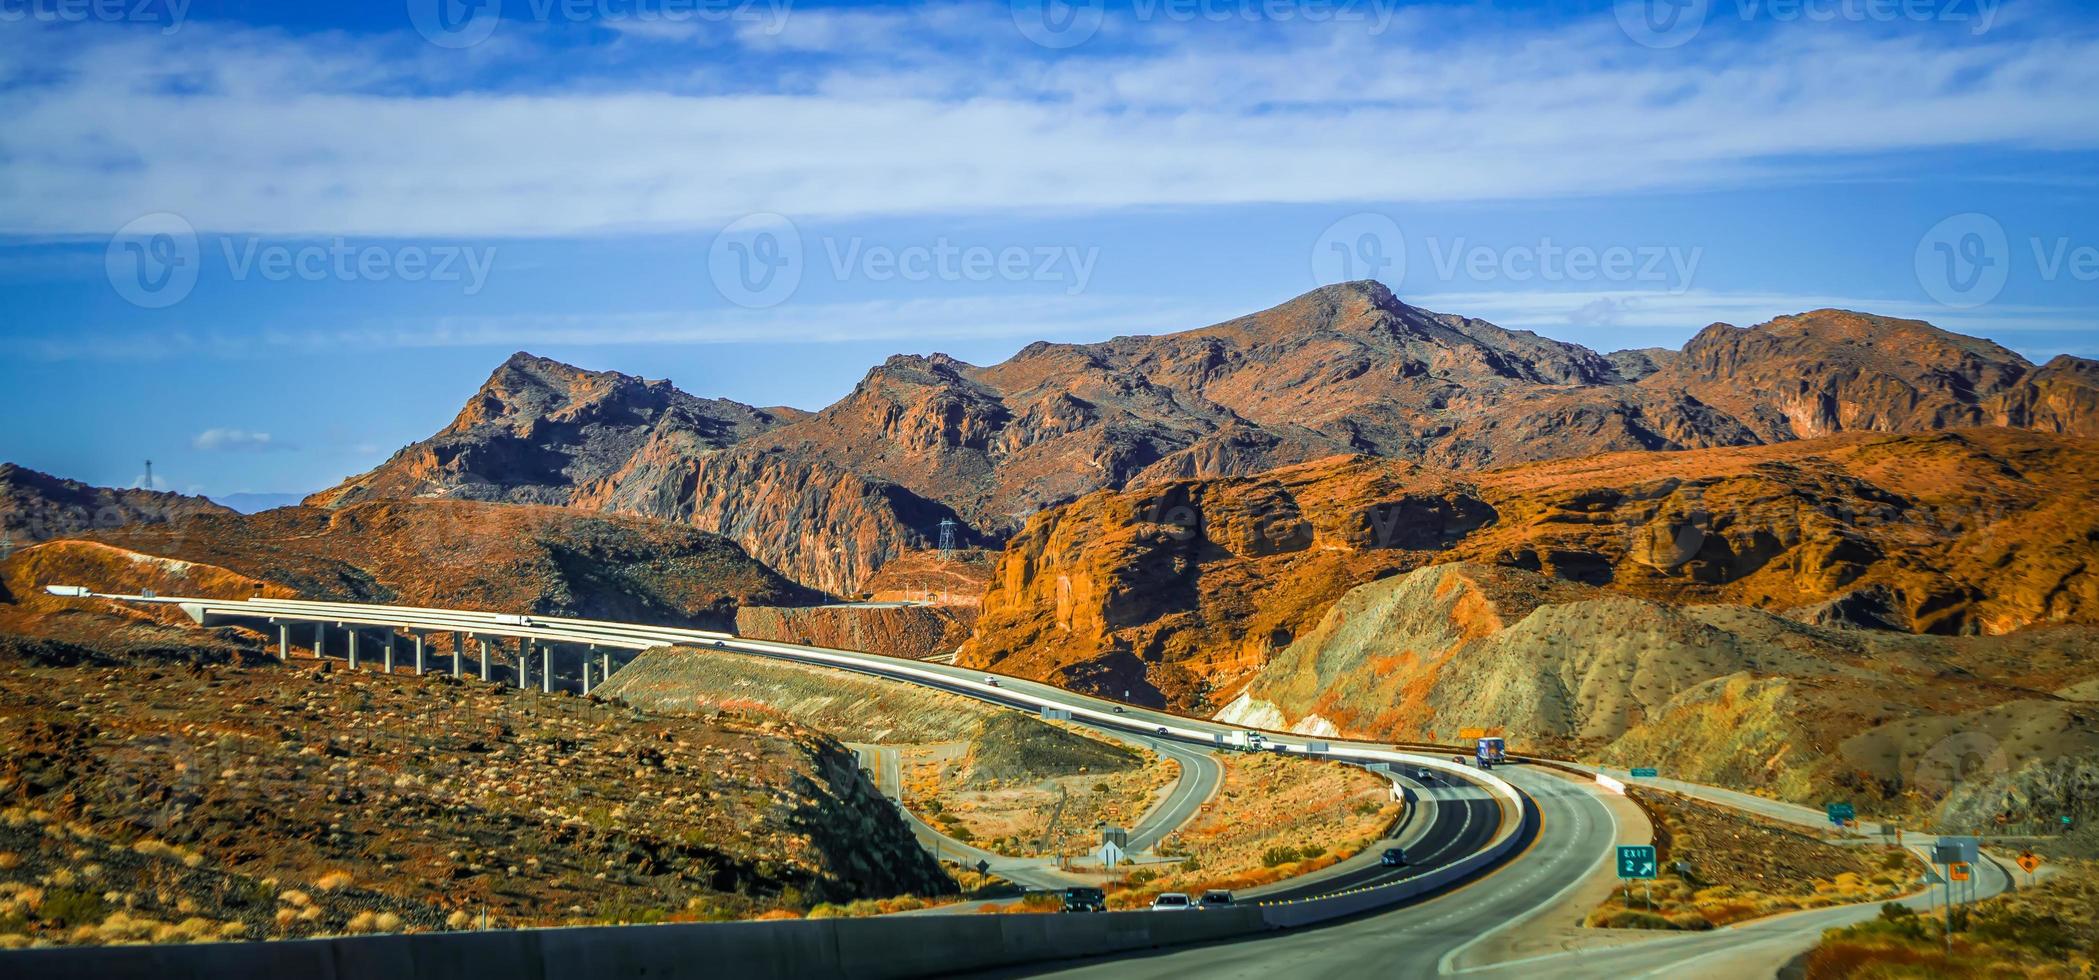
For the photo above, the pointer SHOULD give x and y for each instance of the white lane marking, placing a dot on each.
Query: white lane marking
(1444, 965)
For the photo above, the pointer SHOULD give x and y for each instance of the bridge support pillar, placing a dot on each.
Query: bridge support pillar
(484, 659)
(389, 651)
(353, 649)
(284, 642)
(419, 666)
(458, 652)
(524, 651)
(604, 667)
(586, 677)
(546, 670)
(320, 640)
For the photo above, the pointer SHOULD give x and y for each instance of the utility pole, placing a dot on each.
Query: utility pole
(149, 474)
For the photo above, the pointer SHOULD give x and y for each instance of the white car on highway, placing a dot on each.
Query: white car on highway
(1172, 902)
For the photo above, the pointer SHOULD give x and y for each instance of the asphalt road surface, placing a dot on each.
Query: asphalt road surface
(1412, 941)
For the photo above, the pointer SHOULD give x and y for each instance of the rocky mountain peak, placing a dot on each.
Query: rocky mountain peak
(1344, 368)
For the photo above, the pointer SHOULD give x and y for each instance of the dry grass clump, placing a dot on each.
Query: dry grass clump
(2045, 932)
(1273, 818)
(1739, 868)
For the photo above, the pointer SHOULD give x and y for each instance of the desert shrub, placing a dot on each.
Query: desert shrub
(1280, 855)
(1634, 919)
(67, 907)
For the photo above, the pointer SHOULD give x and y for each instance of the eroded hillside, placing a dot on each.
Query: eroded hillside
(1716, 693)
(1180, 593)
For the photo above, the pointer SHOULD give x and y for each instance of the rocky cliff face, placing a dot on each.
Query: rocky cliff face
(829, 498)
(37, 506)
(539, 429)
(1722, 693)
(1179, 593)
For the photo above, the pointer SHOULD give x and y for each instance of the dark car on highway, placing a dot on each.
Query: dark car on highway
(1085, 900)
(1217, 898)
(1393, 858)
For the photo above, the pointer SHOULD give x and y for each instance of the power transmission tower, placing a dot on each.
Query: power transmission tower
(947, 539)
(149, 475)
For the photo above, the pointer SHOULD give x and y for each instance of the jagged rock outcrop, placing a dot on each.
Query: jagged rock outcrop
(1179, 593)
(38, 506)
(830, 497)
(539, 429)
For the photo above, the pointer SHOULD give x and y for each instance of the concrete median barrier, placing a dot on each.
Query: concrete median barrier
(875, 949)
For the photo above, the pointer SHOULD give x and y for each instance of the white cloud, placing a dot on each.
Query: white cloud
(236, 440)
(332, 134)
(911, 321)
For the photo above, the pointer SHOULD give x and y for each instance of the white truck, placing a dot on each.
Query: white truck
(1249, 741)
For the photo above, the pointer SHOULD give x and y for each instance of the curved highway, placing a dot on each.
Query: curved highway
(1549, 835)
(1463, 836)
(1465, 820)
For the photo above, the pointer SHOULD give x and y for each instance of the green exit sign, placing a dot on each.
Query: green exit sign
(1646, 772)
(1636, 862)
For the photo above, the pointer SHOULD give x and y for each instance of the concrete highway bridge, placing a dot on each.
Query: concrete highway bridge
(1499, 851)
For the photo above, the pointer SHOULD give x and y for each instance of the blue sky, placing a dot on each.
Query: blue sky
(267, 244)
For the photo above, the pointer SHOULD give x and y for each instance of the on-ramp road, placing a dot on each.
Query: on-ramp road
(1412, 941)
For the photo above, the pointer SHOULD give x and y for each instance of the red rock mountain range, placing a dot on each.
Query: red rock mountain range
(829, 497)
